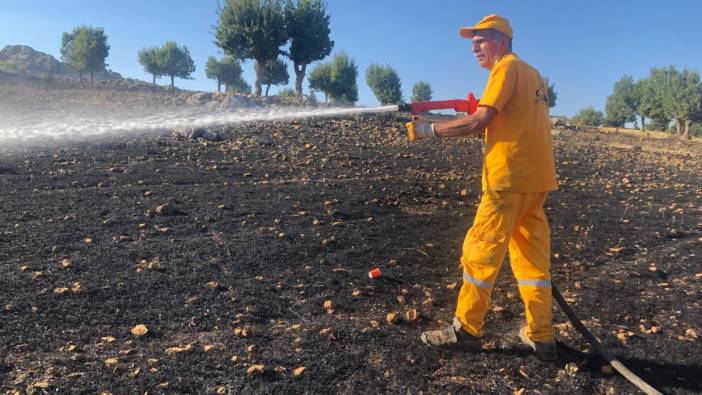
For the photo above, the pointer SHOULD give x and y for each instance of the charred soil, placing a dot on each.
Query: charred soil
(246, 262)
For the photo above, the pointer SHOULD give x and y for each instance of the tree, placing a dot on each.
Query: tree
(622, 104)
(588, 116)
(617, 112)
(650, 103)
(320, 79)
(385, 83)
(176, 62)
(307, 26)
(336, 79)
(275, 72)
(239, 86)
(682, 96)
(252, 29)
(421, 91)
(344, 73)
(213, 72)
(149, 58)
(551, 92)
(230, 74)
(85, 49)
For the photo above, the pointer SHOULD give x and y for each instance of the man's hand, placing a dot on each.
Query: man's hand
(420, 130)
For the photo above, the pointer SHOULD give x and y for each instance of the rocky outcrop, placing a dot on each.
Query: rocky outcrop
(24, 66)
(25, 60)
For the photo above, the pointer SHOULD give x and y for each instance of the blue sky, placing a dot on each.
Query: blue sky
(582, 46)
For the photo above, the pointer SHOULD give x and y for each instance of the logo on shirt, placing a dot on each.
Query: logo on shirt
(541, 97)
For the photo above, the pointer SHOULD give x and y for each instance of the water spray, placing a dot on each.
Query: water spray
(39, 127)
(78, 127)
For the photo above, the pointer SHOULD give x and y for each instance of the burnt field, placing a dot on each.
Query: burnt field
(164, 264)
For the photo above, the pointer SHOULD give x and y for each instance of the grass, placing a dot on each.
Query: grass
(648, 133)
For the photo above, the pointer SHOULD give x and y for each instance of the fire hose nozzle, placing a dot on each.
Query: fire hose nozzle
(468, 105)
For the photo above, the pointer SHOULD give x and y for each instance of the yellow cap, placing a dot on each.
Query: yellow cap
(493, 21)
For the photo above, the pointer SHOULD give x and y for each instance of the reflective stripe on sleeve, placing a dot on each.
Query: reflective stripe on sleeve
(536, 283)
(476, 282)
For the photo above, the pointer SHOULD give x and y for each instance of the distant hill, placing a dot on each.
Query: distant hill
(25, 60)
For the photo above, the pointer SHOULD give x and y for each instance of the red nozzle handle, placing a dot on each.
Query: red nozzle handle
(472, 103)
(459, 105)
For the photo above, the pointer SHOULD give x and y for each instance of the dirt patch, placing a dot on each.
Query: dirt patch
(266, 226)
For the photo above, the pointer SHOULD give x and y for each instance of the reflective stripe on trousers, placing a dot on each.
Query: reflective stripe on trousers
(476, 282)
(536, 283)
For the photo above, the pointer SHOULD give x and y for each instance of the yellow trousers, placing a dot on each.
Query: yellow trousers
(514, 221)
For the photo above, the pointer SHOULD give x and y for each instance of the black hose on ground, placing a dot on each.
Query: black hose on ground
(623, 370)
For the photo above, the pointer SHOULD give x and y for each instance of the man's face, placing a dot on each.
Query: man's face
(488, 47)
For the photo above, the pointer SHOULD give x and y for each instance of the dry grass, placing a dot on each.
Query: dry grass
(647, 134)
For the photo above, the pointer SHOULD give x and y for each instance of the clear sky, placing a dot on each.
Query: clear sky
(582, 46)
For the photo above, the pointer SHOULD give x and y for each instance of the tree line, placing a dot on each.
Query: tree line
(170, 59)
(666, 99)
(85, 49)
(265, 31)
(247, 29)
(258, 29)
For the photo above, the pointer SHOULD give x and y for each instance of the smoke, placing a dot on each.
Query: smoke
(25, 129)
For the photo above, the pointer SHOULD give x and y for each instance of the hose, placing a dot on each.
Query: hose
(618, 366)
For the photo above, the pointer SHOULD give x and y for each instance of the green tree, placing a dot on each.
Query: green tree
(85, 49)
(275, 72)
(176, 62)
(421, 91)
(230, 74)
(252, 29)
(307, 25)
(337, 80)
(150, 61)
(682, 97)
(239, 86)
(617, 112)
(551, 92)
(650, 102)
(320, 79)
(385, 83)
(344, 74)
(213, 71)
(588, 116)
(622, 104)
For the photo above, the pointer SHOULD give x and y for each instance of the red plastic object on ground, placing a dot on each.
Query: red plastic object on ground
(374, 273)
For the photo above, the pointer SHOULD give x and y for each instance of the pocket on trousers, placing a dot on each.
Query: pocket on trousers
(486, 246)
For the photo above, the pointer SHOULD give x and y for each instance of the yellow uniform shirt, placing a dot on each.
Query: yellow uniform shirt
(518, 145)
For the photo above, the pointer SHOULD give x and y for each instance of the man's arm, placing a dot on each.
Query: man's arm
(466, 126)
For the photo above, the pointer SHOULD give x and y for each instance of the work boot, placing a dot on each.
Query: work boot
(452, 337)
(544, 351)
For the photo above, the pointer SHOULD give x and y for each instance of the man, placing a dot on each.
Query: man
(518, 173)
